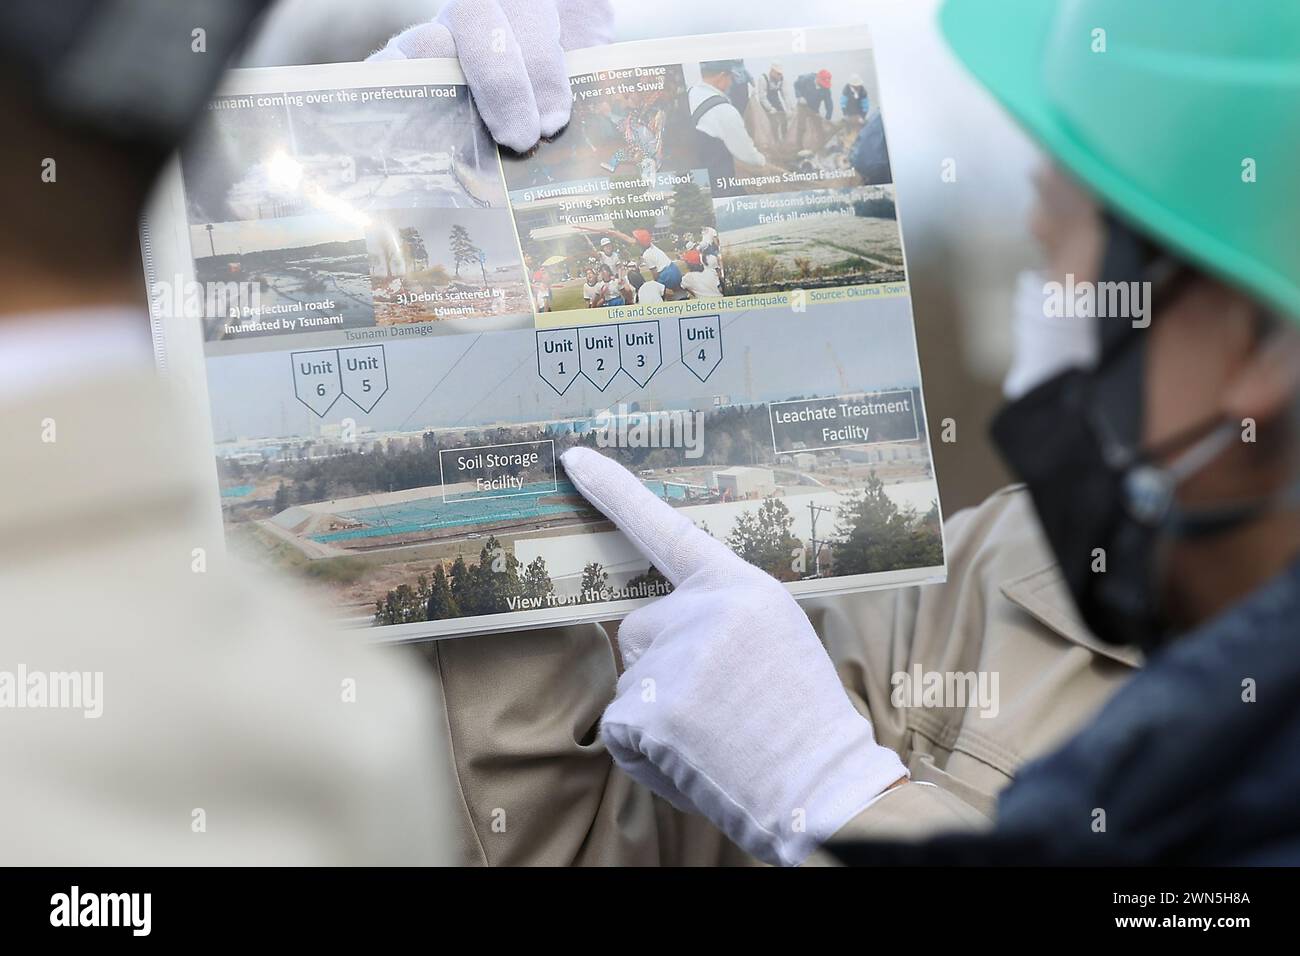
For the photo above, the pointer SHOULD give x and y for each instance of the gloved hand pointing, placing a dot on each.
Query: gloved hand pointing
(511, 52)
(729, 706)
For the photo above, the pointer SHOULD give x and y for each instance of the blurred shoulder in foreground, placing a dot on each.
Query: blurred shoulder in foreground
(191, 712)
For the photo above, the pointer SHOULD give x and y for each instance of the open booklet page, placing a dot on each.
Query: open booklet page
(395, 332)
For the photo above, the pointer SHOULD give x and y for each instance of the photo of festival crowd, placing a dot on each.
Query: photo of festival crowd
(662, 247)
(626, 124)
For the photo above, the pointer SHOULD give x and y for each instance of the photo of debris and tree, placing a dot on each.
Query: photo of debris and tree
(432, 264)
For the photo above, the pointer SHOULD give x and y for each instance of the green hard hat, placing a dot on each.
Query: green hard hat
(1183, 115)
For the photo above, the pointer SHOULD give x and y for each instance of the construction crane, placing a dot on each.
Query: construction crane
(839, 369)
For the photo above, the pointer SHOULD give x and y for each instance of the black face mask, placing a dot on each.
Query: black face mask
(1107, 506)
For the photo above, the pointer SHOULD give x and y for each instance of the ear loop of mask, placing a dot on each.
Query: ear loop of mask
(1149, 487)
(1117, 400)
(1147, 483)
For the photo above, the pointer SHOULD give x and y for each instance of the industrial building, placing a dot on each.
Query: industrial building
(745, 482)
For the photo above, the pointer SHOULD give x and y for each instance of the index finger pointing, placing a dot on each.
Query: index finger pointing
(667, 537)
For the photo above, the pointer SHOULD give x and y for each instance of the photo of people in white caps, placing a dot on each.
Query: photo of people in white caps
(631, 244)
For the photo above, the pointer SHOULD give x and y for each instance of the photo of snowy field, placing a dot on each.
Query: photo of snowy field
(806, 240)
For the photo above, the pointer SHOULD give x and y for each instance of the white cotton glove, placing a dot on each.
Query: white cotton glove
(729, 706)
(512, 54)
